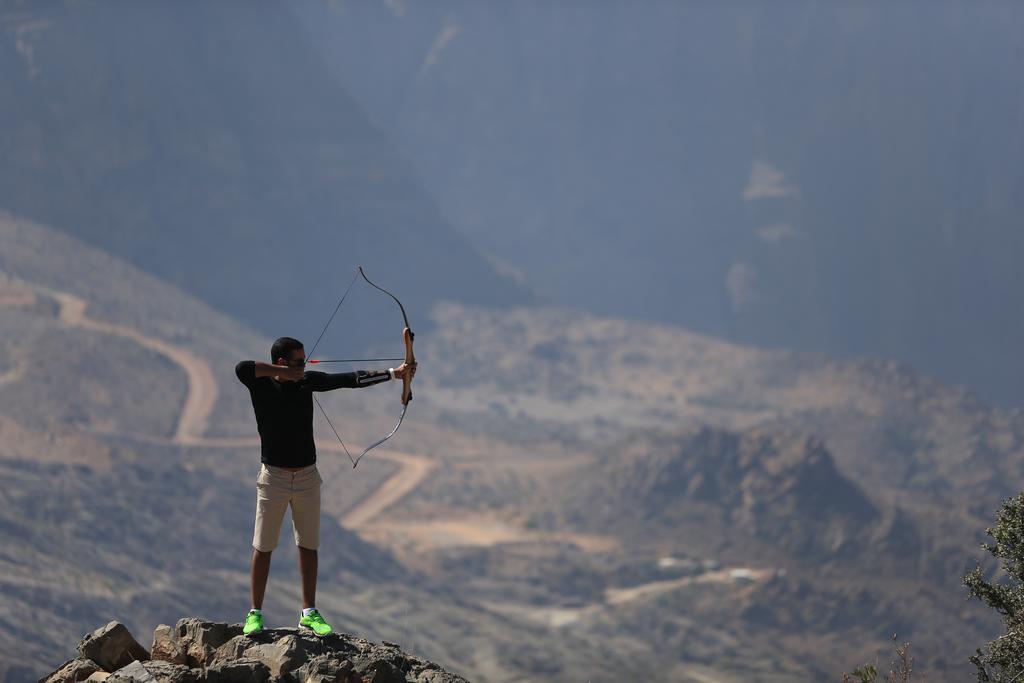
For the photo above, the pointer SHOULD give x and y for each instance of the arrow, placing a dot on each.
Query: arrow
(354, 360)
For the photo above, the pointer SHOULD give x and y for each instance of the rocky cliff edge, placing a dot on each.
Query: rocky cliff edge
(196, 651)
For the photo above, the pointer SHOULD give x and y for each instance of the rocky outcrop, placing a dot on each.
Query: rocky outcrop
(781, 487)
(196, 651)
(111, 647)
(73, 670)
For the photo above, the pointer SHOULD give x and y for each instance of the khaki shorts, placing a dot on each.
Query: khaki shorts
(276, 488)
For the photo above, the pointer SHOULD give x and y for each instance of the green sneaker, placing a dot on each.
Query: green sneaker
(253, 622)
(315, 622)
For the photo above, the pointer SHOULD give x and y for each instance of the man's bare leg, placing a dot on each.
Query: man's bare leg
(259, 573)
(308, 568)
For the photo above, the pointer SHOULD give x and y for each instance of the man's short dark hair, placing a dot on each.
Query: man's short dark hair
(283, 348)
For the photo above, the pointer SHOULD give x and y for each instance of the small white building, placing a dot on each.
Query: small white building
(741, 575)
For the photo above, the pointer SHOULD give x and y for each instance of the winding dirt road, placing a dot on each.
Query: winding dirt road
(366, 515)
(411, 472)
(202, 387)
(202, 396)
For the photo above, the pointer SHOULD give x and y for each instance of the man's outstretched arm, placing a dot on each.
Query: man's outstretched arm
(322, 381)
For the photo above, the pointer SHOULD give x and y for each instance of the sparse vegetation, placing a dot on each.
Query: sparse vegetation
(900, 671)
(1002, 660)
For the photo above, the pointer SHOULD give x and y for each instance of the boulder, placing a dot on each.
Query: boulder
(166, 672)
(380, 671)
(155, 671)
(285, 654)
(327, 669)
(72, 671)
(335, 642)
(238, 671)
(132, 673)
(112, 647)
(165, 646)
(231, 650)
(197, 651)
(438, 676)
(199, 640)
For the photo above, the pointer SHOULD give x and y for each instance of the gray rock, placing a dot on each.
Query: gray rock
(72, 671)
(199, 640)
(429, 672)
(197, 651)
(327, 669)
(436, 676)
(343, 642)
(238, 671)
(388, 654)
(132, 673)
(112, 647)
(285, 654)
(166, 672)
(165, 646)
(332, 642)
(231, 650)
(380, 671)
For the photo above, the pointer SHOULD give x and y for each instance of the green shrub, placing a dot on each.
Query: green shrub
(900, 671)
(1002, 660)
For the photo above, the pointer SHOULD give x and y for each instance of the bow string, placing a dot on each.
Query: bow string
(410, 359)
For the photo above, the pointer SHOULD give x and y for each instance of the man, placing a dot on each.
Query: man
(283, 402)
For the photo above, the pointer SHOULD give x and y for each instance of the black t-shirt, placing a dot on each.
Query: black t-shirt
(284, 410)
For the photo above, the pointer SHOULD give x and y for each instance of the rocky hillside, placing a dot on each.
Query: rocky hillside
(579, 378)
(568, 494)
(197, 651)
(779, 489)
(127, 464)
(647, 452)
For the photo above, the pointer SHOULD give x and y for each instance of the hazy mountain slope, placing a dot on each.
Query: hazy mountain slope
(868, 483)
(209, 145)
(583, 378)
(744, 552)
(104, 514)
(560, 453)
(155, 533)
(111, 510)
(821, 176)
(782, 490)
